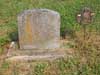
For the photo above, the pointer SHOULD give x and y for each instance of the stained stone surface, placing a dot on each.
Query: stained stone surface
(32, 55)
(39, 29)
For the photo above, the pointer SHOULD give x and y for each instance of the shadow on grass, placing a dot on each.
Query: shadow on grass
(14, 36)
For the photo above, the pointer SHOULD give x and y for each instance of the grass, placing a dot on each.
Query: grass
(87, 52)
(70, 66)
(9, 9)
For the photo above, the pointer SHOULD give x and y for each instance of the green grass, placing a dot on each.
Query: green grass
(9, 9)
(70, 66)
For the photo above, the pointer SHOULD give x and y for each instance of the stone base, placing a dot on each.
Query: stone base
(35, 55)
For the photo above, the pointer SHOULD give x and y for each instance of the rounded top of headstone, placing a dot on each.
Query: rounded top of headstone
(38, 10)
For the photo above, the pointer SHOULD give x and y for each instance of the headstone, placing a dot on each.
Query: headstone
(39, 36)
(39, 29)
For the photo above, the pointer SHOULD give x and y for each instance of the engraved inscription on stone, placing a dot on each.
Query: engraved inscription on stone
(39, 29)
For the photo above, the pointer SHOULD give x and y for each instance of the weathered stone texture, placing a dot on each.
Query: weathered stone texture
(39, 29)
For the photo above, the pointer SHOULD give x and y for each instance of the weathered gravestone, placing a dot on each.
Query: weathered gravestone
(39, 29)
(39, 35)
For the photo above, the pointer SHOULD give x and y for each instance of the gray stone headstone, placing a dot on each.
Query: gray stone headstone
(39, 29)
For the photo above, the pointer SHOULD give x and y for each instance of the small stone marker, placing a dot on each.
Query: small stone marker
(39, 29)
(86, 16)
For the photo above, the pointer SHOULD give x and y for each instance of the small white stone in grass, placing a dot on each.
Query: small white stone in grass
(12, 44)
(79, 15)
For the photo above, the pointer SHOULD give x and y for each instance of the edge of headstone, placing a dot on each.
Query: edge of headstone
(41, 9)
